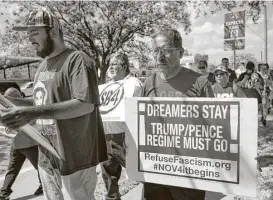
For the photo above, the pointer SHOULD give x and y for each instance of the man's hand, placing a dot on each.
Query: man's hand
(264, 160)
(14, 118)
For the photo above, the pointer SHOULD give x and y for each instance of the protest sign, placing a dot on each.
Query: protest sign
(29, 130)
(205, 143)
(112, 97)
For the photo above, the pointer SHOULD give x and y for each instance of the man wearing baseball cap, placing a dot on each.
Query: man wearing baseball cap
(66, 100)
(223, 87)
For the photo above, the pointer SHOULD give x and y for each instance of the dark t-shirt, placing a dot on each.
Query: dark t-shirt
(80, 141)
(232, 75)
(177, 86)
(155, 86)
(200, 88)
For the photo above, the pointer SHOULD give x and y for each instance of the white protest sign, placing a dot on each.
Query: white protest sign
(112, 97)
(203, 143)
(29, 130)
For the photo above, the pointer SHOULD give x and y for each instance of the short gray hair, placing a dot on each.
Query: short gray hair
(173, 35)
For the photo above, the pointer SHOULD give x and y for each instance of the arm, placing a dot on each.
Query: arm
(84, 97)
(20, 116)
(20, 101)
(65, 110)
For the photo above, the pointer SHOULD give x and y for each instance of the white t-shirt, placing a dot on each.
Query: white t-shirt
(120, 127)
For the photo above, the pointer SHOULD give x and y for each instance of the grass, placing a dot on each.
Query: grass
(125, 185)
(265, 178)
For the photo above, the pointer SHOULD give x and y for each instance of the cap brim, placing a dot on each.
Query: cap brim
(20, 28)
(220, 71)
(26, 27)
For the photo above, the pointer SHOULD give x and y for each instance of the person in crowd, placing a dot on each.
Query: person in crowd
(251, 82)
(232, 74)
(22, 147)
(66, 101)
(263, 70)
(203, 69)
(223, 88)
(241, 69)
(171, 80)
(118, 71)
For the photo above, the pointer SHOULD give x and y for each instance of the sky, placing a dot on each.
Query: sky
(207, 36)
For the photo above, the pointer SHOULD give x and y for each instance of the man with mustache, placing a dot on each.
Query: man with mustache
(172, 80)
(70, 107)
(115, 131)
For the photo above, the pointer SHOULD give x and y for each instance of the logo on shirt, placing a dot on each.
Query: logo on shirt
(223, 95)
(111, 96)
(40, 96)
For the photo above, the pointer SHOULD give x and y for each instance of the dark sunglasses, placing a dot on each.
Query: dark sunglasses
(202, 67)
(220, 74)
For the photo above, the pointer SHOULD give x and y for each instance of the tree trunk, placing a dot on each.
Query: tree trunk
(103, 69)
(102, 78)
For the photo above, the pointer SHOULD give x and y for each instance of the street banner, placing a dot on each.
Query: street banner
(203, 143)
(112, 96)
(237, 44)
(234, 25)
(234, 28)
(29, 130)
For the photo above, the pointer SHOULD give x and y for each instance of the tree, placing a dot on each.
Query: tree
(199, 57)
(243, 57)
(100, 29)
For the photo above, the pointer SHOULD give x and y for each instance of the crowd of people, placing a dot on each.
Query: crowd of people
(66, 110)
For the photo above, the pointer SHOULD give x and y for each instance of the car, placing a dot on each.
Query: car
(4, 85)
(27, 89)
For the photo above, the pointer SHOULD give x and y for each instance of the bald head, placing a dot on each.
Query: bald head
(13, 92)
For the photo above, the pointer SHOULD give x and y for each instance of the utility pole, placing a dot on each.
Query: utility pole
(265, 34)
(234, 53)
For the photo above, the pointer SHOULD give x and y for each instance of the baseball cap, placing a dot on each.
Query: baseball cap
(39, 18)
(221, 68)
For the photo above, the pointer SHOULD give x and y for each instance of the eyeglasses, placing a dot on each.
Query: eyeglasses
(165, 51)
(201, 67)
(220, 74)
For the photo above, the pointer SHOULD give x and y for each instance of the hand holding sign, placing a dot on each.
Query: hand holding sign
(16, 117)
(29, 130)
